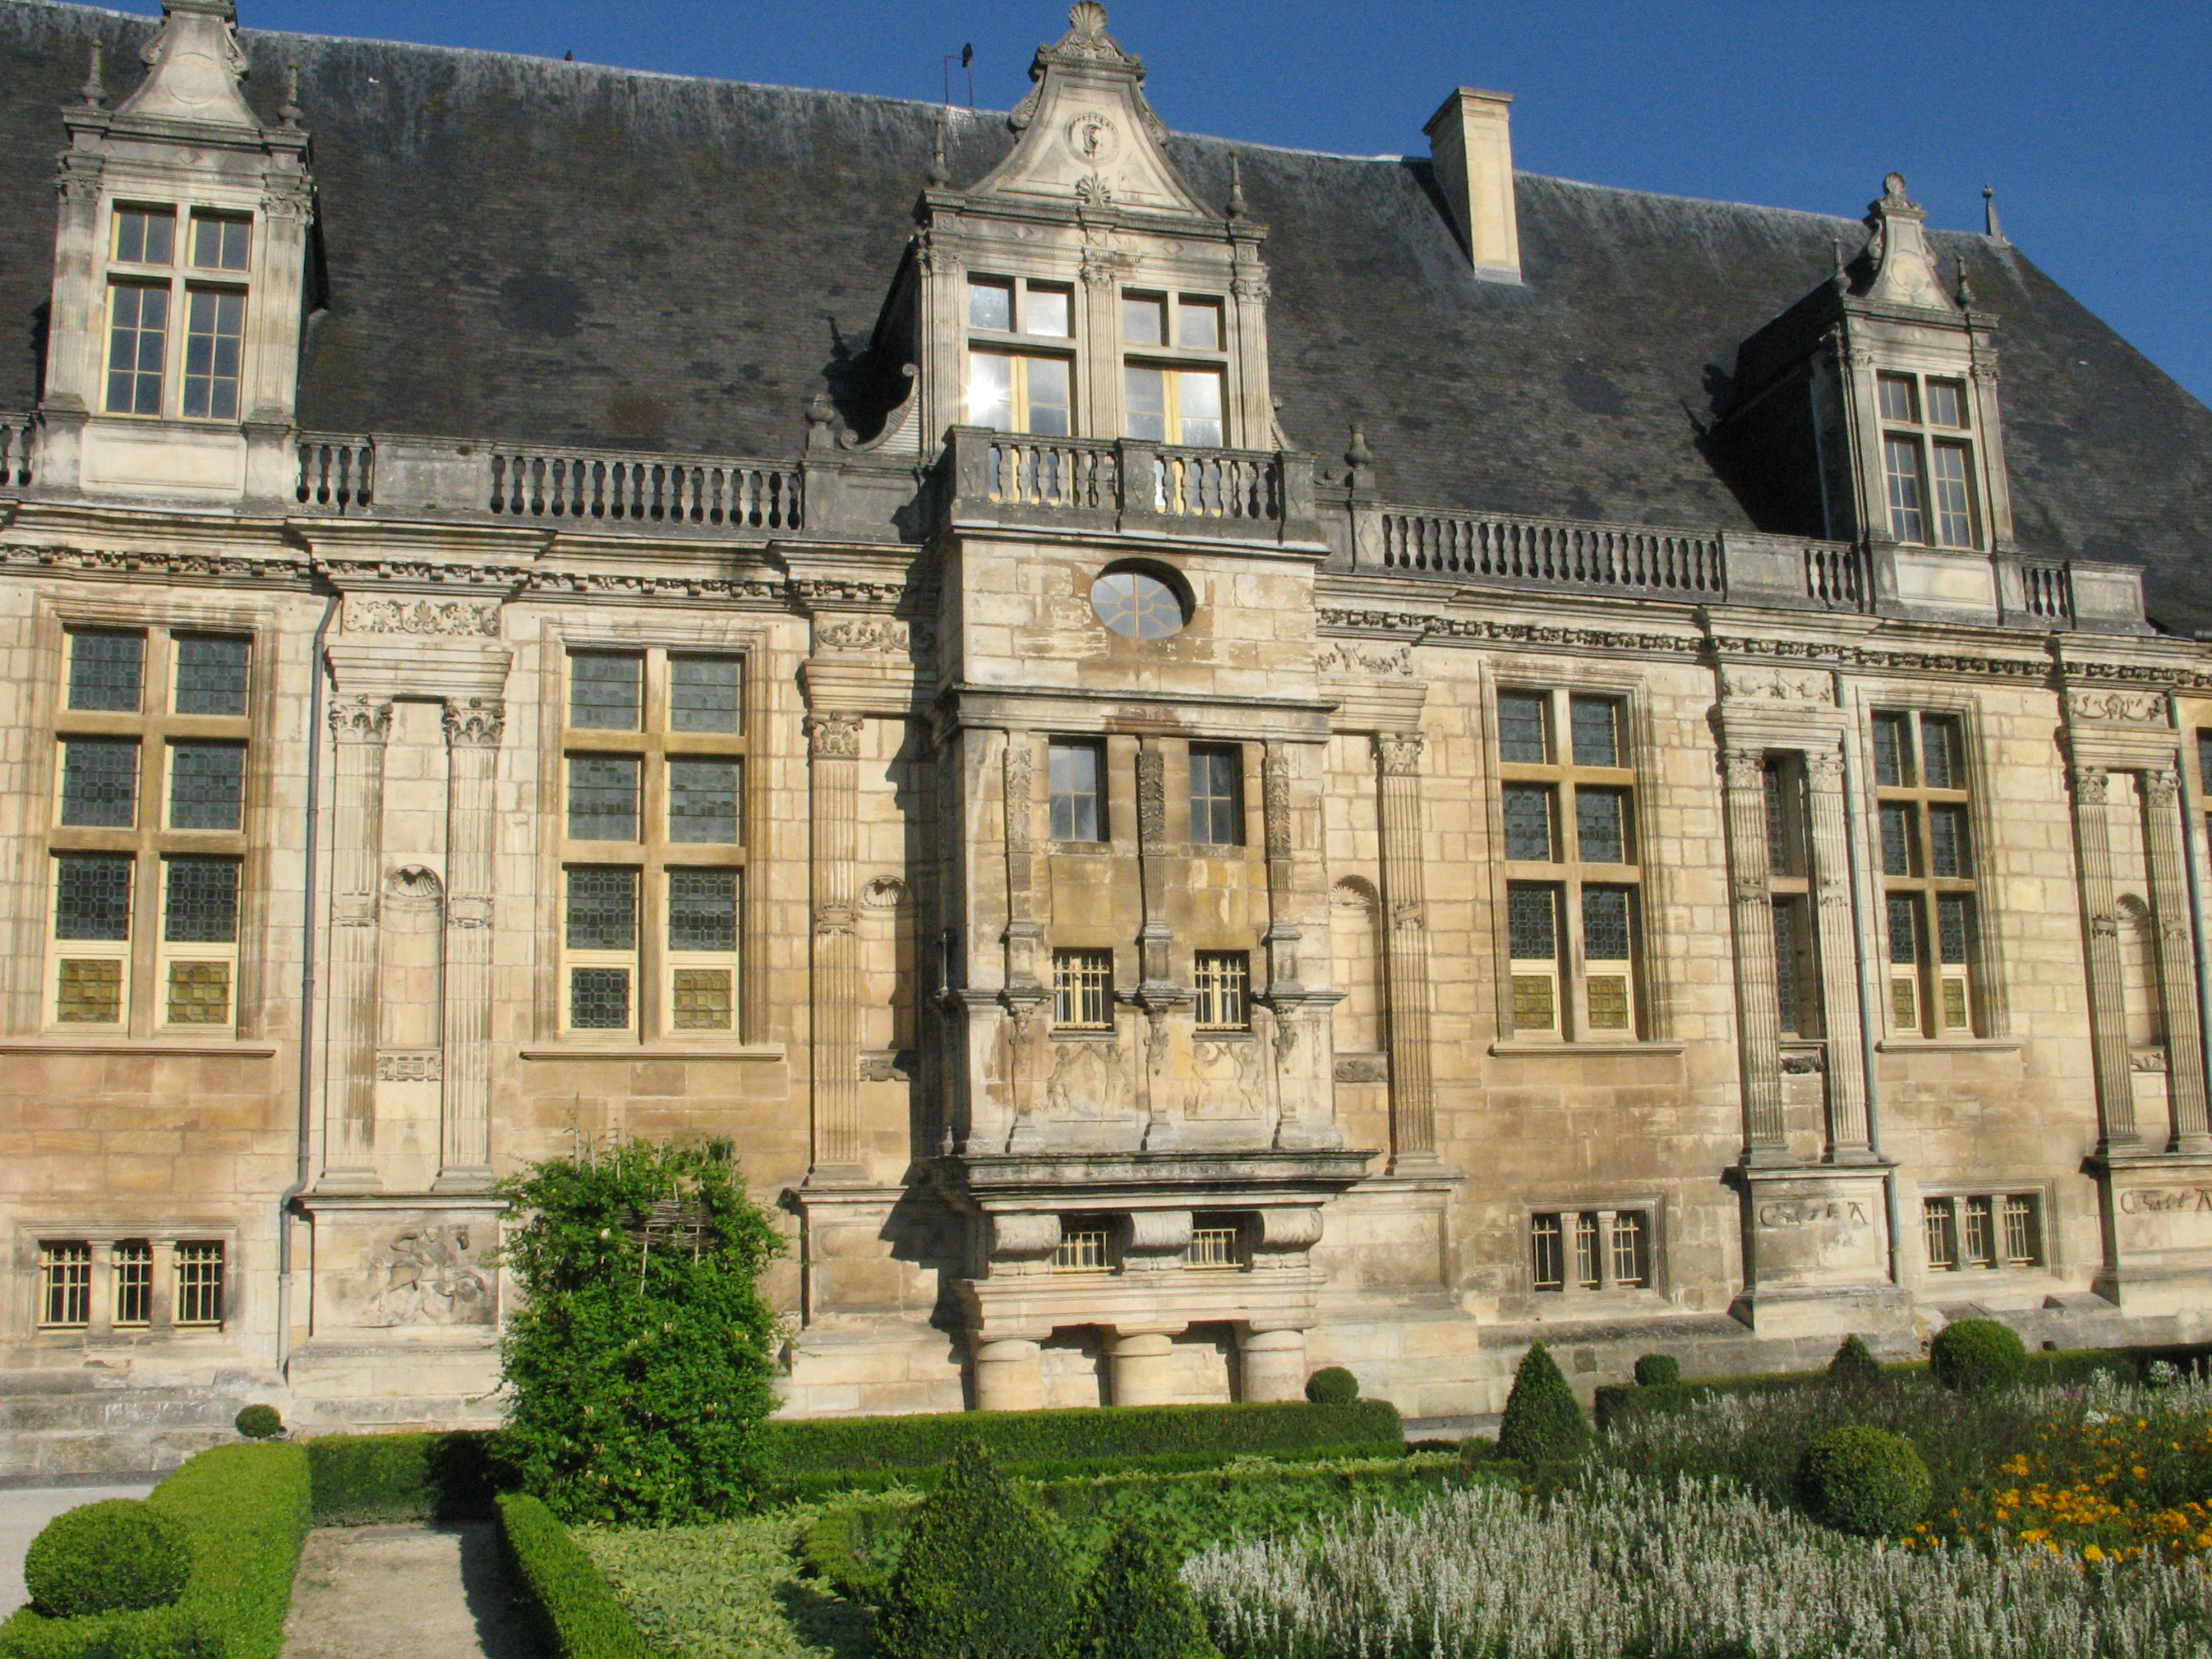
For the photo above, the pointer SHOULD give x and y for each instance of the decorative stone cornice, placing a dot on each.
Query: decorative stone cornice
(102, 562)
(1880, 659)
(1482, 631)
(1345, 657)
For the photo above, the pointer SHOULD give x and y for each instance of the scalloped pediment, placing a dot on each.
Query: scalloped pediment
(1089, 137)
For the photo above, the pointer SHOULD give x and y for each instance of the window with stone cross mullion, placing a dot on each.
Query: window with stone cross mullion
(653, 841)
(1789, 881)
(147, 851)
(1928, 458)
(1567, 817)
(1925, 847)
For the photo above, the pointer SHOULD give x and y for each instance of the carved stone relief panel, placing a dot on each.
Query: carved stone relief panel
(401, 1269)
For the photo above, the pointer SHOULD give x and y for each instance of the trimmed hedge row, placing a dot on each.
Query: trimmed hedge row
(245, 1508)
(576, 1609)
(1617, 1402)
(363, 1479)
(809, 1446)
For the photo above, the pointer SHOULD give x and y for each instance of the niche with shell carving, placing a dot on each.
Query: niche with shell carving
(411, 974)
(890, 974)
(1355, 931)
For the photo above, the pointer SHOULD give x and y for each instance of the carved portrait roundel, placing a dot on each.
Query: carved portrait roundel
(1093, 138)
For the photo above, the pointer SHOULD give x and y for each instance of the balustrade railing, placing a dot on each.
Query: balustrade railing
(2048, 592)
(643, 490)
(1496, 547)
(1053, 472)
(1126, 478)
(1836, 575)
(1218, 483)
(336, 471)
(18, 434)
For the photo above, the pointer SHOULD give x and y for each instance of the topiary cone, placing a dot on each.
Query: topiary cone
(982, 1574)
(1542, 1421)
(1135, 1606)
(1854, 1365)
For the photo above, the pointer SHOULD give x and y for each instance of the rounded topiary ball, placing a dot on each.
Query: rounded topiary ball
(259, 1422)
(1976, 1354)
(1332, 1385)
(1863, 1481)
(115, 1556)
(1657, 1370)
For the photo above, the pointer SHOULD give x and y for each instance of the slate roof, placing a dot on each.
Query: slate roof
(563, 252)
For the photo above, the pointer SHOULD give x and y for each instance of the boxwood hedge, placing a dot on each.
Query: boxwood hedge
(244, 1509)
(576, 1609)
(362, 1479)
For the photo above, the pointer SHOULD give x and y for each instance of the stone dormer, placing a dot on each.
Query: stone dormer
(1868, 412)
(1081, 289)
(172, 359)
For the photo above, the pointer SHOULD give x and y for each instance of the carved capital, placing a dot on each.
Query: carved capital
(360, 720)
(1250, 285)
(1824, 769)
(1398, 753)
(1744, 768)
(2161, 787)
(475, 722)
(2091, 784)
(833, 736)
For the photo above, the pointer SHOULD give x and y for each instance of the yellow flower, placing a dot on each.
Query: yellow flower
(2093, 1554)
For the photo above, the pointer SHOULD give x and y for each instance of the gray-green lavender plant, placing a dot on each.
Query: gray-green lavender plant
(1688, 1569)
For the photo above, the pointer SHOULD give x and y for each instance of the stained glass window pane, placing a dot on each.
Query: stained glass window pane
(1904, 929)
(1602, 825)
(702, 909)
(90, 993)
(1941, 753)
(1954, 921)
(200, 906)
(1534, 1007)
(602, 909)
(1608, 1002)
(1787, 978)
(211, 673)
(603, 797)
(99, 782)
(606, 689)
(1778, 860)
(1949, 853)
(1596, 722)
(1531, 924)
(207, 786)
(702, 801)
(1521, 729)
(1605, 924)
(702, 694)
(199, 993)
(1897, 841)
(702, 998)
(92, 895)
(598, 999)
(107, 670)
(1893, 750)
(1528, 821)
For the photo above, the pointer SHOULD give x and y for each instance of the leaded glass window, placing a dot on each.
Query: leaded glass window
(606, 689)
(207, 786)
(702, 694)
(1529, 822)
(602, 909)
(211, 673)
(107, 670)
(603, 797)
(92, 895)
(1520, 735)
(99, 782)
(702, 909)
(702, 801)
(200, 906)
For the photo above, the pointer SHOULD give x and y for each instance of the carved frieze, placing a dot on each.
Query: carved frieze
(451, 618)
(2130, 707)
(431, 1273)
(1768, 683)
(1345, 657)
(1485, 630)
(409, 1065)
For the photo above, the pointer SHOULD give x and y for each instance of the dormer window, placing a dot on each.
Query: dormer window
(1009, 389)
(146, 292)
(1173, 393)
(1928, 470)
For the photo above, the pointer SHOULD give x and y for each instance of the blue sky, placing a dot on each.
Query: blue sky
(2093, 122)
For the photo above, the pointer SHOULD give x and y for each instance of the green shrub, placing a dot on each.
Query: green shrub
(806, 1447)
(258, 1423)
(363, 1479)
(244, 1511)
(1854, 1365)
(1975, 1354)
(1658, 1370)
(1332, 1385)
(982, 1574)
(1134, 1606)
(1863, 1481)
(576, 1611)
(119, 1556)
(1542, 1422)
(639, 1374)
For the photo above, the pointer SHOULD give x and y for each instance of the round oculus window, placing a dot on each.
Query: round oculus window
(1136, 605)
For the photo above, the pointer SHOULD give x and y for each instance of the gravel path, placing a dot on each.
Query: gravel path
(420, 1592)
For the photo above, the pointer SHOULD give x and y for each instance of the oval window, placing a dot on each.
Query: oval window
(1136, 605)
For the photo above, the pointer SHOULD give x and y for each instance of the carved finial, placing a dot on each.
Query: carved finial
(1905, 268)
(1087, 17)
(1966, 284)
(939, 175)
(1842, 279)
(1893, 190)
(1236, 188)
(289, 114)
(94, 91)
(1992, 226)
(1357, 454)
(820, 414)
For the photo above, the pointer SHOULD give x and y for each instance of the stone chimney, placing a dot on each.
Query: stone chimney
(1470, 146)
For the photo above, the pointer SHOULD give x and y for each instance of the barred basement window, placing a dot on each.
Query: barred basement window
(1224, 985)
(655, 763)
(65, 1285)
(1590, 1250)
(1924, 817)
(200, 1284)
(1083, 989)
(186, 748)
(1215, 1243)
(1569, 828)
(1966, 1231)
(133, 1285)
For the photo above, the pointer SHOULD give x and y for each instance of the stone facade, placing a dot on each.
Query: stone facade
(1155, 914)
